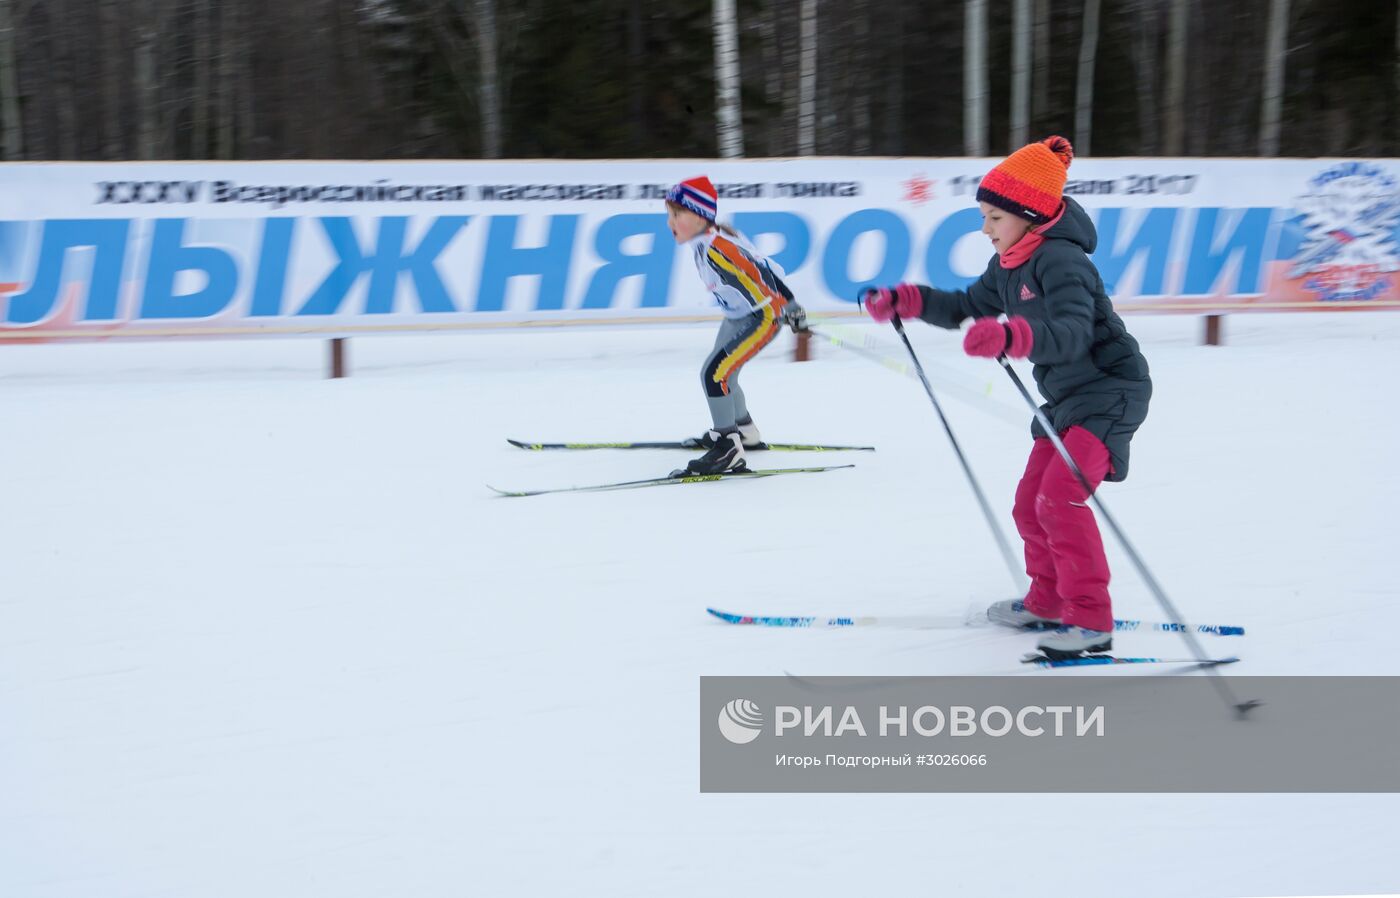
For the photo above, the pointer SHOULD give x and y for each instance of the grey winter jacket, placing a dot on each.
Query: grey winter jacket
(1088, 367)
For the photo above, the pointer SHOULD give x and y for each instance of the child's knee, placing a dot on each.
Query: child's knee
(1061, 501)
(715, 387)
(710, 380)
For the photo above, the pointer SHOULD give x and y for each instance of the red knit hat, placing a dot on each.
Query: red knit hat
(696, 194)
(1031, 181)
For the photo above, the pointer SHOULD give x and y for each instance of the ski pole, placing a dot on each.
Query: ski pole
(863, 351)
(1012, 567)
(872, 350)
(1241, 708)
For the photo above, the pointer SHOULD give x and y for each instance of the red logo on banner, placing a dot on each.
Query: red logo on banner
(918, 190)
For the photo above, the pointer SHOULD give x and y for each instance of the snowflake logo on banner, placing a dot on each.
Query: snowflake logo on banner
(918, 190)
(1350, 243)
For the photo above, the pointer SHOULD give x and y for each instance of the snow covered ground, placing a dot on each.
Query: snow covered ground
(263, 633)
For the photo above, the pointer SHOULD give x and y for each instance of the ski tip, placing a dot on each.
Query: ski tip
(500, 492)
(726, 616)
(809, 470)
(522, 444)
(807, 447)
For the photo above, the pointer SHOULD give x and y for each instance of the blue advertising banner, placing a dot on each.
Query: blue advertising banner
(170, 248)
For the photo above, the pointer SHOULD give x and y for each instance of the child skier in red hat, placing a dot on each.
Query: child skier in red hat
(756, 303)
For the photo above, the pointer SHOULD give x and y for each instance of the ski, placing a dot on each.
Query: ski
(916, 622)
(1040, 660)
(678, 444)
(950, 622)
(670, 481)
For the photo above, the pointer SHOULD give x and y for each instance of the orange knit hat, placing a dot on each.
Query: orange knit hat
(1031, 181)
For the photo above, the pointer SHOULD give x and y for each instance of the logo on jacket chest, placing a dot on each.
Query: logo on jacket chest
(1026, 294)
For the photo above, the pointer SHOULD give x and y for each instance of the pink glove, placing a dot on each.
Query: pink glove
(989, 338)
(883, 303)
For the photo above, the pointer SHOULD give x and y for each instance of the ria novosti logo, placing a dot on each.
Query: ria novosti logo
(740, 721)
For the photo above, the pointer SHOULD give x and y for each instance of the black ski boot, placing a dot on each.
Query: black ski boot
(726, 456)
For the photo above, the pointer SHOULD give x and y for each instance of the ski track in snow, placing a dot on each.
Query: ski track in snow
(268, 634)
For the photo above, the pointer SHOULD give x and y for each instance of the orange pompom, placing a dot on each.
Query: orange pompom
(1061, 148)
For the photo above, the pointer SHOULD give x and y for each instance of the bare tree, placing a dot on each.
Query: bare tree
(807, 82)
(833, 85)
(11, 126)
(486, 45)
(790, 57)
(147, 81)
(1020, 73)
(1275, 57)
(1084, 90)
(200, 102)
(894, 82)
(636, 84)
(113, 77)
(771, 52)
(228, 81)
(61, 76)
(860, 103)
(450, 28)
(463, 30)
(1145, 37)
(728, 112)
(1040, 55)
(975, 100)
(1176, 78)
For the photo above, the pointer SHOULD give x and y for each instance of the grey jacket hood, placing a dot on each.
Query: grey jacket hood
(1074, 225)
